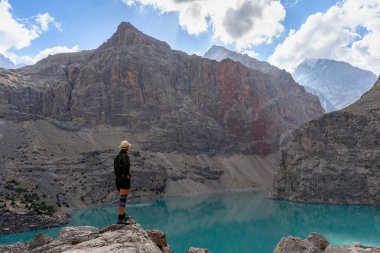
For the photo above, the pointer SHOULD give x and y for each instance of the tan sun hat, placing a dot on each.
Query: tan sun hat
(125, 145)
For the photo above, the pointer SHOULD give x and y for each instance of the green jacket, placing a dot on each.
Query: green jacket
(121, 165)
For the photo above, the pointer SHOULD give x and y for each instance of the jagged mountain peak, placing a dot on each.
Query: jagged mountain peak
(220, 53)
(215, 48)
(126, 34)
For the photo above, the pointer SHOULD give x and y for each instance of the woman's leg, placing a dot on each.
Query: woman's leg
(123, 199)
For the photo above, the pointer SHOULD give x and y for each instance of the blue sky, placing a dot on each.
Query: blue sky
(72, 25)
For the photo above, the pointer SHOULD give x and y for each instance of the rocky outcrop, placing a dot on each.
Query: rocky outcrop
(128, 238)
(114, 238)
(336, 158)
(316, 243)
(334, 82)
(198, 250)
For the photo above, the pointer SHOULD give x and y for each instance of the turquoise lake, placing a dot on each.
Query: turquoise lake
(235, 222)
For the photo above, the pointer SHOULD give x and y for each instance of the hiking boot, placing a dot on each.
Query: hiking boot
(124, 219)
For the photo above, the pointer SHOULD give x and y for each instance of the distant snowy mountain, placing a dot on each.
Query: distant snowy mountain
(337, 84)
(6, 63)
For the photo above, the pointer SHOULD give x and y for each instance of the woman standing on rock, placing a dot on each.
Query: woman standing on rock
(123, 179)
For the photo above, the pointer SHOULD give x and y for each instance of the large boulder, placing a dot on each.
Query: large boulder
(316, 243)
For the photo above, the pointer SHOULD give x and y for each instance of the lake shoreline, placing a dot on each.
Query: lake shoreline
(13, 222)
(63, 218)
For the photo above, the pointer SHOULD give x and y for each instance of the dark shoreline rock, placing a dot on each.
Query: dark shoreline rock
(12, 222)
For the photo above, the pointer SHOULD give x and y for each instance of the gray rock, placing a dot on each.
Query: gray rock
(295, 245)
(334, 159)
(128, 238)
(198, 250)
(316, 243)
(159, 239)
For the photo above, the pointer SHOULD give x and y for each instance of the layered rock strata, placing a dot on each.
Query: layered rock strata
(316, 243)
(336, 158)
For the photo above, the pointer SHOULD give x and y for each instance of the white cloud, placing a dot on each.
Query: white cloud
(12, 33)
(44, 20)
(43, 54)
(243, 23)
(335, 35)
(55, 50)
(16, 35)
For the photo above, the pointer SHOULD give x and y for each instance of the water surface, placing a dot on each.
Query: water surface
(235, 222)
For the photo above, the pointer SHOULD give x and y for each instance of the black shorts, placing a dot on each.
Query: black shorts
(124, 184)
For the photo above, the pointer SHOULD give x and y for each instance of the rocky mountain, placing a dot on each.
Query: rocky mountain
(138, 82)
(340, 83)
(196, 125)
(336, 158)
(6, 63)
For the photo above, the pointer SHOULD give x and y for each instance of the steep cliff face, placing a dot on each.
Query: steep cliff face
(133, 80)
(336, 158)
(340, 83)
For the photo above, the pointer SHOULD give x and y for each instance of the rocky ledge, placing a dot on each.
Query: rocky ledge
(316, 243)
(114, 238)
